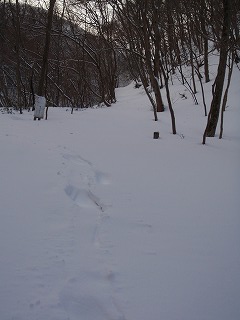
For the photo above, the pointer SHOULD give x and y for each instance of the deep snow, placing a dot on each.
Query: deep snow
(100, 221)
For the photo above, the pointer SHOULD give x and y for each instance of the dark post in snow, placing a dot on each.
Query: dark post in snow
(156, 135)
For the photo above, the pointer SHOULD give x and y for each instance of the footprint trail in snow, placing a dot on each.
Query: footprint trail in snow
(83, 179)
(90, 294)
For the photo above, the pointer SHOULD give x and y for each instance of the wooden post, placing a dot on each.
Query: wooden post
(156, 135)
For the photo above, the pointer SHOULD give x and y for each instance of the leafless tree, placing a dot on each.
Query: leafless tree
(219, 81)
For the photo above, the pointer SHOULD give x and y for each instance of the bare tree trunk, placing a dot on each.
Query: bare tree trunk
(205, 39)
(206, 67)
(17, 47)
(166, 79)
(18, 73)
(197, 68)
(219, 82)
(226, 94)
(149, 62)
(190, 46)
(40, 90)
(43, 74)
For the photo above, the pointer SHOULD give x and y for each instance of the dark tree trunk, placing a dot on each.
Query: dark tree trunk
(205, 39)
(219, 82)
(41, 84)
(166, 79)
(224, 103)
(43, 74)
(206, 67)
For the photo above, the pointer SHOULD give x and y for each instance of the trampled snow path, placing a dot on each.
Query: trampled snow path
(96, 300)
(45, 279)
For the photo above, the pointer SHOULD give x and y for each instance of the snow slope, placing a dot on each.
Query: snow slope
(100, 221)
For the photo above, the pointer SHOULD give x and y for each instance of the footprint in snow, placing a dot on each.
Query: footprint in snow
(84, 198)
(77, 159)
(100, 177)
(90, 296)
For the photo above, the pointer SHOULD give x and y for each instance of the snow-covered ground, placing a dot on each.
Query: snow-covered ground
(99, 221)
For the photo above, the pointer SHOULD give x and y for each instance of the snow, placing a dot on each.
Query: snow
(40, 103)
(101, 221)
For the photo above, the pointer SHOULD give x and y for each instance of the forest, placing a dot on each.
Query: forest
(76, 53)
(124, 203)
